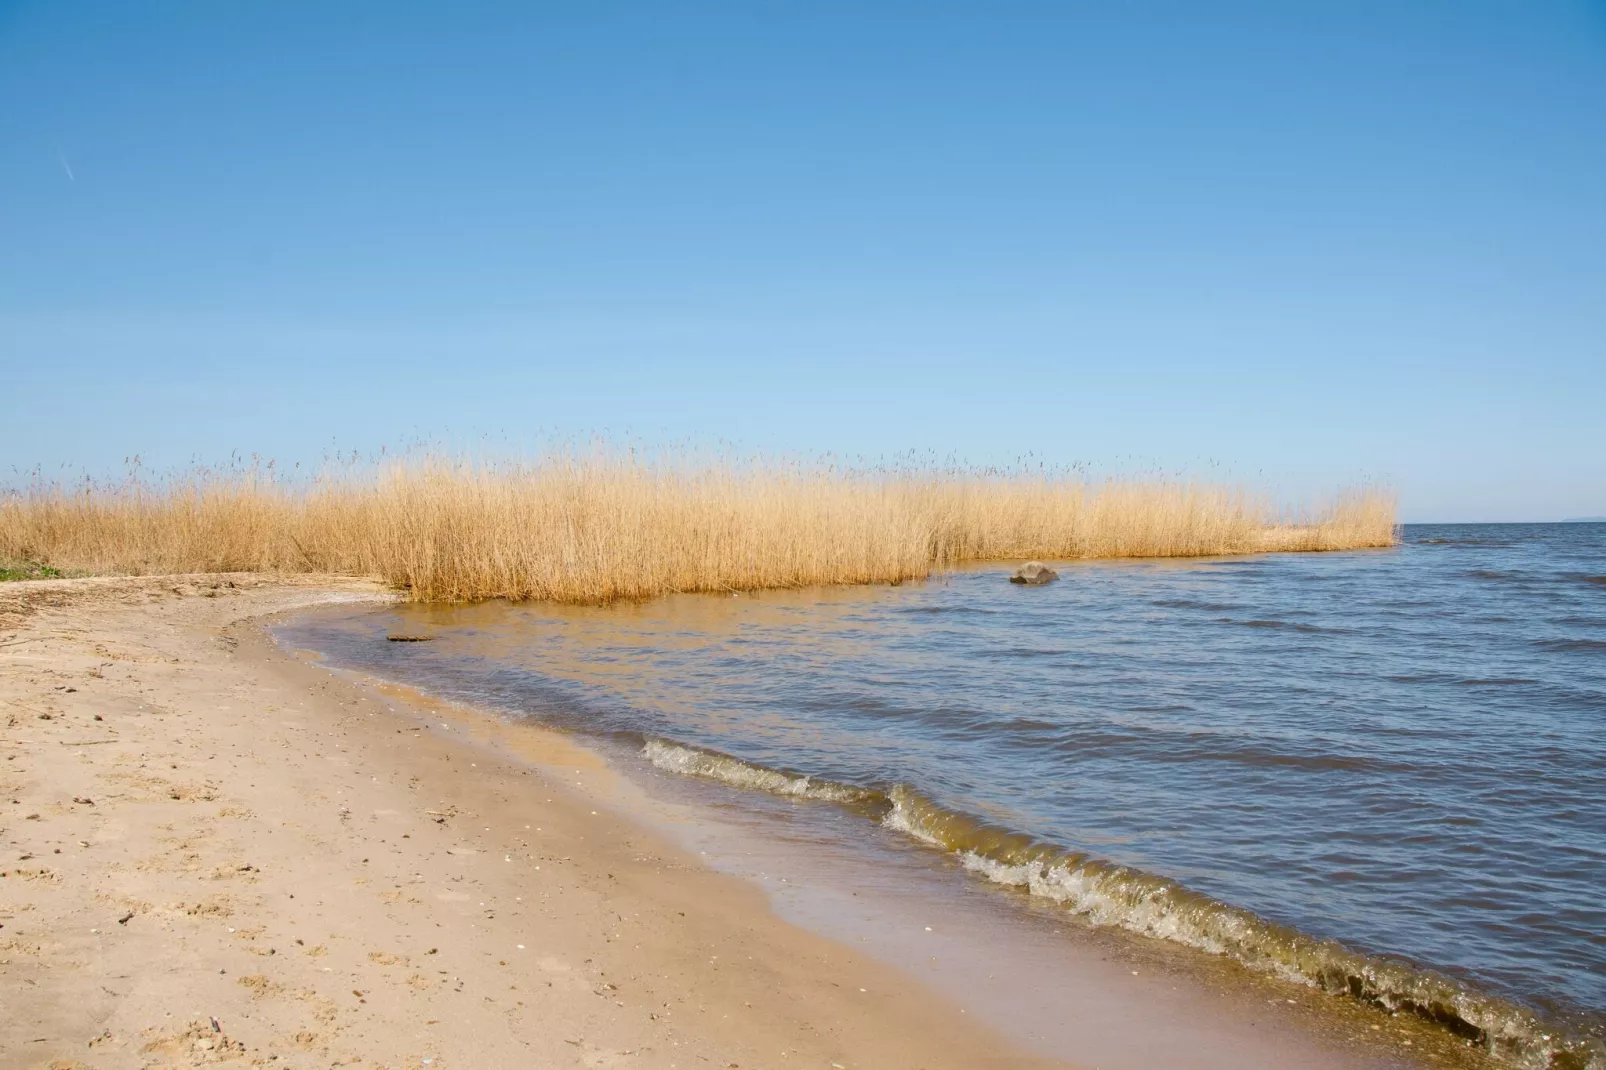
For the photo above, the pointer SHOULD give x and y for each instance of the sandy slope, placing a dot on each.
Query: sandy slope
(213, 853)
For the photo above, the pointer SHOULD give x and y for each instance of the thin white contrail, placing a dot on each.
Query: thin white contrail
(67, 167)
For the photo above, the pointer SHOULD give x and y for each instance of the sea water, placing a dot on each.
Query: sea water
(1379, 773)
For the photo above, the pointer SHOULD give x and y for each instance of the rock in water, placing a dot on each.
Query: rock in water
(1035, 573)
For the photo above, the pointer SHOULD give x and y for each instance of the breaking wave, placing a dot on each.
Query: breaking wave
(689, 761)
(1106, 894)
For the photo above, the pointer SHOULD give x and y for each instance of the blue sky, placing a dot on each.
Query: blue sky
(1291, 244)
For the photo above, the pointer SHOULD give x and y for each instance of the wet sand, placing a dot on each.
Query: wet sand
(217, 852)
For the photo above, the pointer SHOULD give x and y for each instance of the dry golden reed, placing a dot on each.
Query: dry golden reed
(607, 526)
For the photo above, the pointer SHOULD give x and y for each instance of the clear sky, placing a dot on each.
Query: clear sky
(1296, 244)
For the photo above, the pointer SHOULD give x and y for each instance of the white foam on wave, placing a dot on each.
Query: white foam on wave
(1105, 898)
(1105, 894)
(1110, 895)
(688, 761)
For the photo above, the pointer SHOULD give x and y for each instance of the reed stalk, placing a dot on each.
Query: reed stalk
(589, 529)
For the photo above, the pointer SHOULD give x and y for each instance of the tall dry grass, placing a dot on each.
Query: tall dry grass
(605, 527)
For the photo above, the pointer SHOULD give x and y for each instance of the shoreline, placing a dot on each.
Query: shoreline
(220, 768)
(832, 861)
(221, 764)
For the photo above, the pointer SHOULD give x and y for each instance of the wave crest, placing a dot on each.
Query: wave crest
(1103, 893)
(710, 765)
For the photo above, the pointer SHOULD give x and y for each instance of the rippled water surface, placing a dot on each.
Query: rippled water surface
(1401, 750)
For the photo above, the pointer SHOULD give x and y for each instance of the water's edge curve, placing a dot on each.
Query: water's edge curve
(1103, 893)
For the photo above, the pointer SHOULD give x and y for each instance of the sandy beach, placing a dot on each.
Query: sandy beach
(217, 853)
(808, 537)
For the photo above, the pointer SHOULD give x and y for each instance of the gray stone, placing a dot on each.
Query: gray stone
(1034, 573)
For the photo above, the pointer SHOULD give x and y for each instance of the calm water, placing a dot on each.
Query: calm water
(1381, 772)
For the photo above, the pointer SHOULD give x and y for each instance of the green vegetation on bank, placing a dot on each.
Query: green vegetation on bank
(30, 570)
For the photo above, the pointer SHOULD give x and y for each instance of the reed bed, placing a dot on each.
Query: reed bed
(607, 527)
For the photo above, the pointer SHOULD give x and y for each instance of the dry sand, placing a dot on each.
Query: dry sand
(211, 852)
